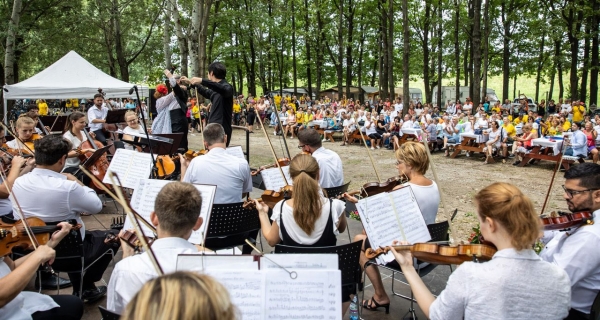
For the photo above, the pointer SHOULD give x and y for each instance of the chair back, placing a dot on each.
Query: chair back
(595, 313)
(69, 253)
(439, 231)
(348, 258)
(229, 224)
(334, 192)
(108, 315)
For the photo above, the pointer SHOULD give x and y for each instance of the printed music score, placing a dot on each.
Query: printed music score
(263, 290)
(144, 195)
(273, 180)
(130, 166)
(236, 152)
(390, 216)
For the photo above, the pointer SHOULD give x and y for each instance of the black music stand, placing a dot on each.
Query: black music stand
(116, 116)
(162, 148)
(55, 123)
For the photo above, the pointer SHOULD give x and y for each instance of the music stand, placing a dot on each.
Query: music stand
(55, 123)
(116, 116)
(162, 148)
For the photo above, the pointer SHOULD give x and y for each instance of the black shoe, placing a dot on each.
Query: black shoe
(92, 295)
(516, 163)
(50, 283)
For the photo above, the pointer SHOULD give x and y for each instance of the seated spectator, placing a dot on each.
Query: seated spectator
(371, 132)
(577, 144)
(510, 134)
(349, 125)
(495, 141)
(523, 144)
(591, 136)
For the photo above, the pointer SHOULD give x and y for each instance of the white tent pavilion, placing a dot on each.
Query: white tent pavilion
(70, 77)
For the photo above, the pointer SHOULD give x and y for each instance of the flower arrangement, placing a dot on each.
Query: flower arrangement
(475, 237)
(354, 215)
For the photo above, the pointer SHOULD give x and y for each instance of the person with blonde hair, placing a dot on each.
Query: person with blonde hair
(181, 295)
(515, 284)
(524, 144)
(24, 129)
(412, 162)
(134, 127)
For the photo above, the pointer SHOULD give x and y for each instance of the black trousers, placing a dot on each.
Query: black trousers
(93, 248)
(179, 124)
(100, 136)
(70, 308)
(577, 315)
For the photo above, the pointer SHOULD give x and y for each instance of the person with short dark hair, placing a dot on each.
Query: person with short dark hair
(52, 196)
(331, 173)
(97, 117)
(176, 214)
(220, 94)
(576, 251)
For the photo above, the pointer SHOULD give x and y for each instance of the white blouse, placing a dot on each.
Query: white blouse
(513, 285)
(75, 142)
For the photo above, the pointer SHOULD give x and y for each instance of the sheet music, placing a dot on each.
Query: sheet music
(245, 289)
(236, 151)
(144, 195)
(199, 262)
(314, 294)
(300, 261)
(273, 179)
(130, 166)
(392, 216)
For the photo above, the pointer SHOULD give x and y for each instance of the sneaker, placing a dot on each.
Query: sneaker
(372, 148)
(511, 156)
(377, 147)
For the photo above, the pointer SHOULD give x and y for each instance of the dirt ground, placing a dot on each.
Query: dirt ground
(459, 179)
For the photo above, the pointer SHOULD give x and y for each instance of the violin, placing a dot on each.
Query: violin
(280, 162)
(165, 166)
(100, 166)
(130, 238)
(563, 220)
(13, 233)
(373, 188)
(441, 254)
(271, 197)
(190, 154)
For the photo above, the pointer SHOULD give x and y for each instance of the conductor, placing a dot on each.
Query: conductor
(220, 94)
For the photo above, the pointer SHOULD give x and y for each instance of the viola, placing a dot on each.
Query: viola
(441, 254)
(280, 162)
(165, 165)
(563, 220)
(99, 167)
(13, 234)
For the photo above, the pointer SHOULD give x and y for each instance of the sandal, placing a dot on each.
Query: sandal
(372, 305)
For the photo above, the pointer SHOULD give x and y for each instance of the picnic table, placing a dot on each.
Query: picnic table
(547, 148)
(409, 134)
(471, 142)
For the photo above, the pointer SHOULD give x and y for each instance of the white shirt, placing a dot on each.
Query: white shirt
(95, 113)
(230, 174)
(75, 143)
(130, 130)
(370, 127)
(565, 108)
(428, 199)
(49, 196)
(131, 273)
(5, 204)
(398, 107)
(349, 123)
(331, 173)
(579, 256)
(407, 124)
(25, 303)
(294, 231)
(513, 285)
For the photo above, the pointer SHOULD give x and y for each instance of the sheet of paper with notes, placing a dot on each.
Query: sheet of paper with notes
(264, 290)
(273, 179)
(236, 151)
(130, 166)
(144, 195)
(390, 216)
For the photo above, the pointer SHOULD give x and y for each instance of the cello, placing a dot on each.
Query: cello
(100, 166)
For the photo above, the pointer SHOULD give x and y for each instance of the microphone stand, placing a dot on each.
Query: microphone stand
(139, 103)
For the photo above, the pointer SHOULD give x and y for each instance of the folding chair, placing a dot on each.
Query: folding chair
(438, 232)
(108, 315)
(335, 192)
(230, 225)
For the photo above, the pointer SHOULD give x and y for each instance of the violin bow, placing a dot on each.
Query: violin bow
(110, 193)
(201, 125)
(32, 238)
(136, 224)
(368, 151)
(287, 150)
(12, 133)
(272, 150)
(558, 165)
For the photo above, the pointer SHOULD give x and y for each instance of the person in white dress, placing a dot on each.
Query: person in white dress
(134, 127)
(74, 132)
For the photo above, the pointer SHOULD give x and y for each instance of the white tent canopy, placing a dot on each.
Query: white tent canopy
(70, 77)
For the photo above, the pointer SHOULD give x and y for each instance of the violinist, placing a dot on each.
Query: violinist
(25, 130)
(308, 219)
(576, 251)
(515, 284)
(176, 214)
(74, 127)
(18, 167)
(33, 111)
(47, 194)
(330, 164)
(97, 117)
(14, 277)
(411, 161)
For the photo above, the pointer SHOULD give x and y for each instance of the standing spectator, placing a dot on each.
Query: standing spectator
(42, 107)
(130, 104)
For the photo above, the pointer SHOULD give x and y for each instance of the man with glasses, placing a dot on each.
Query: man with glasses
(331, 173)
(577, 250)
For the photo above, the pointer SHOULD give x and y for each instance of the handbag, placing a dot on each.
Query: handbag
(478, 131)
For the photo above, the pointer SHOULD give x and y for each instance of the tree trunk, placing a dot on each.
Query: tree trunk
(294, 64)
(307, 43)
(405, 57)
(476, 53)
(559, 69)
(11, 35)
(383, 56)
(486, 50)
(586, 63)
(349, 45)
(320, 57)
(506, 24)
(439, 57)
(213, 28)
(457, 49)
(573, 27)
(119, 50)
(374, 73)
(471, 45)
(339, 67)
(540, 64)
(193, 41)
(426, 25)
(181, 38)
(204, 11)
(361, 52)
(594, 65)
(167, 41)
(390, 49)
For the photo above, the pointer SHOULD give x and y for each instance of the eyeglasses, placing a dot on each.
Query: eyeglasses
(301, 147)
(132, 120)
(572, 193)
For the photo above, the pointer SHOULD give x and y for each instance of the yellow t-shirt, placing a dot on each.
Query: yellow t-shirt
(43, 107)
(299, 117)
(552, 131)
(308, 117)
(566, 126)
(495, 109)
(277, 100)
(74, 103)
(578, 113)
(292, 106)
(510, 129)
(237, 108)
(196, 111)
